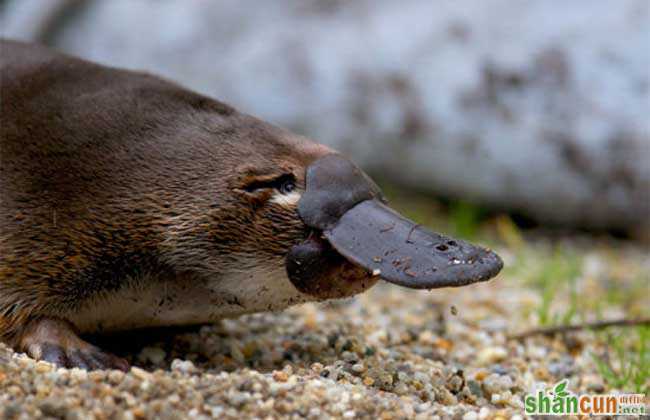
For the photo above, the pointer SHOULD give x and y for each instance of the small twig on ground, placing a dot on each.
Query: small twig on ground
(598, 325)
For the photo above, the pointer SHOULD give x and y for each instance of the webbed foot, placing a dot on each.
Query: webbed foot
(55, 341)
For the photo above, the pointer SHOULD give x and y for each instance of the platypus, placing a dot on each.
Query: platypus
(128, 201)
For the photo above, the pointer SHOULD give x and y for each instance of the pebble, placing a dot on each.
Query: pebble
(280, 376)
(537, 352)
(491, 355)
(140, 373)
(78, 374)
(185, 366)
(358, 368)
(495, 383)
(153, 355)
(475, 388)
(115, 376)
(470, 415)
(455, 383)
(236, 353)
(42, 367)
(593, 383)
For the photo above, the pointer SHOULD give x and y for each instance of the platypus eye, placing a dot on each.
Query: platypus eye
(284, 184)
(287, 186)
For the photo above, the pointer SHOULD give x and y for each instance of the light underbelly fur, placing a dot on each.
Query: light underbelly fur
(155, 303)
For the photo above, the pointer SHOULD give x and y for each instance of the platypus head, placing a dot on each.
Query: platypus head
(349, 217)
(318, 224)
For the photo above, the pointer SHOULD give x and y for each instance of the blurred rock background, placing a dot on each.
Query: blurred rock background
(535, 107)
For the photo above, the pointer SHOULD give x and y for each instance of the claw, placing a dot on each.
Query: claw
(51, 353)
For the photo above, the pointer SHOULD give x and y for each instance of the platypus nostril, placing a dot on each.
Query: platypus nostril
(442, 247)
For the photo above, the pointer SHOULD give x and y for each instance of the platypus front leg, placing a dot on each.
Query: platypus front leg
(56, 341)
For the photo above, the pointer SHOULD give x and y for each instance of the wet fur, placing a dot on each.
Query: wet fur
(114, 181)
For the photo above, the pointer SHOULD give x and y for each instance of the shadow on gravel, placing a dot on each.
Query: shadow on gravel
(129, 344)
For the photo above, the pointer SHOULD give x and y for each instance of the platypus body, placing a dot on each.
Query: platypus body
(127, 201)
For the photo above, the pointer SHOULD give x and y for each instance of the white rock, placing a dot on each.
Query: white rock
(483, 413)
(154, 355)
(490, 355)
(185, 366)
(470, 415)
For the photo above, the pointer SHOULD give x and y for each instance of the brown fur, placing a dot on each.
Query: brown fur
(107, 174)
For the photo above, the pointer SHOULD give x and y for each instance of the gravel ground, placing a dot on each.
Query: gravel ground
(389, 353)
